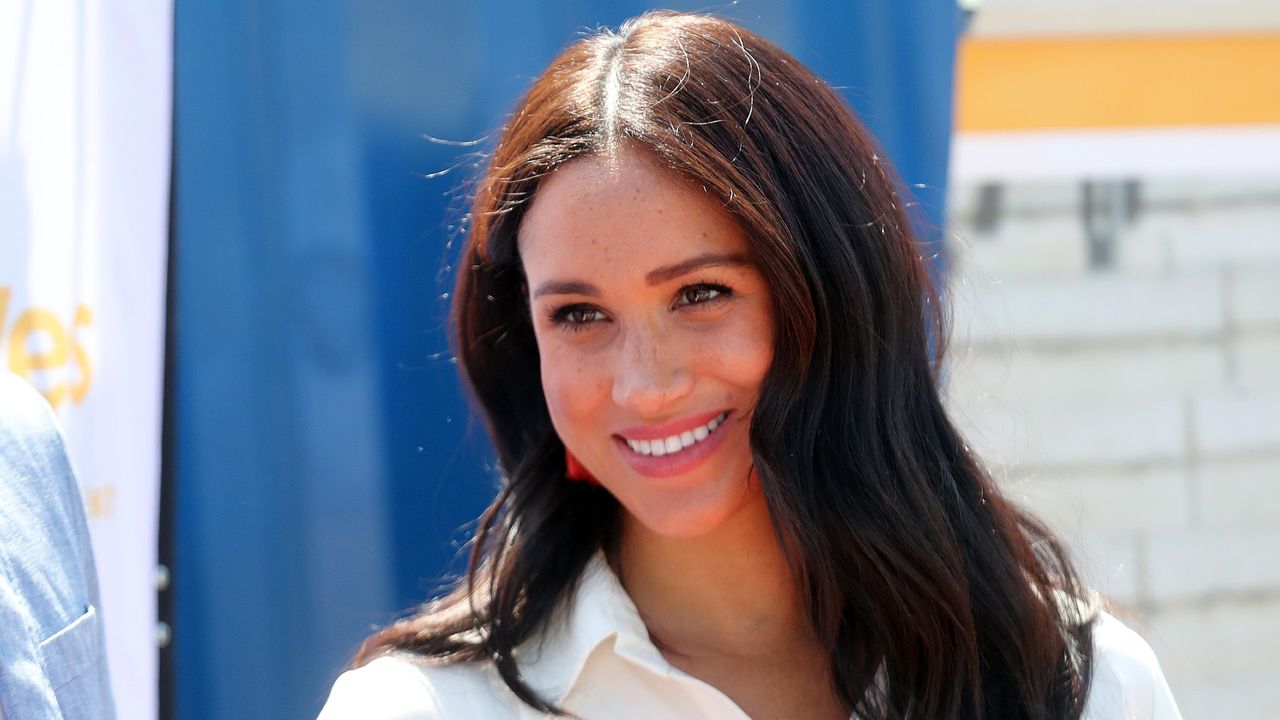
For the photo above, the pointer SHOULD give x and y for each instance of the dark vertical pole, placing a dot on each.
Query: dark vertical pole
(168, 483)
(168, 479)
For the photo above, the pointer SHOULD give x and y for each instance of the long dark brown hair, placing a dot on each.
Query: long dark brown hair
(936, 596)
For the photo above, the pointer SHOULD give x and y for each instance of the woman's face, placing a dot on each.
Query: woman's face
(655, 330)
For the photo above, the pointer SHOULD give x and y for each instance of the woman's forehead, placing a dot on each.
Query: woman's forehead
(620, 207)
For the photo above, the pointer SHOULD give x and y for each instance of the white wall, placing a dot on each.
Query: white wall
(1038, 18)
(1137, 408)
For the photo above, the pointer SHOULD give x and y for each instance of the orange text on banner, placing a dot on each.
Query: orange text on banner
(63, 354)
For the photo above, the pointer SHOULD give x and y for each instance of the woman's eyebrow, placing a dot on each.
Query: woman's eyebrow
(566, 287)
(671, 272)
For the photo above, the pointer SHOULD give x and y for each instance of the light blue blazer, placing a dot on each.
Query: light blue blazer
(52, 656)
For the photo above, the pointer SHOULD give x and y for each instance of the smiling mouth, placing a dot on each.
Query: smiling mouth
(675, 444)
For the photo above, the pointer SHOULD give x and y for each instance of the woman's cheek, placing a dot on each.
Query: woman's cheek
(571, 387)
(743, 349)
(558, 392)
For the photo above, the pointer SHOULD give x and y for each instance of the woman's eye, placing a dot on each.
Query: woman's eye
(702, 294)
(577, 317)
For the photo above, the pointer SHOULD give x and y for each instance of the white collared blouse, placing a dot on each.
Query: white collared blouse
(597, 662)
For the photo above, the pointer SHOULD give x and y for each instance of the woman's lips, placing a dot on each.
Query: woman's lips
(681, 461)
(671, 427)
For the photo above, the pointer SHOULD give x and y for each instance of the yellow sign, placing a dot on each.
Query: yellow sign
(1159, 81)
(60, 355)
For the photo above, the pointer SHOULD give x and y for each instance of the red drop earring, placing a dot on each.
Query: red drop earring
(575, 470)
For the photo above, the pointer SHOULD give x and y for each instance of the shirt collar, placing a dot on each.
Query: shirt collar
(600, 611)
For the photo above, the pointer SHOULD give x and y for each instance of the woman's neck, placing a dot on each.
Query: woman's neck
(728, 593)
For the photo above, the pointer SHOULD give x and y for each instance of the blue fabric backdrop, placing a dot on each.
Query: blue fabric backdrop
(324, 465)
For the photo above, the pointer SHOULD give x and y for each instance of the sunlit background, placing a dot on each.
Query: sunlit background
(226, 240)
(1114, 245)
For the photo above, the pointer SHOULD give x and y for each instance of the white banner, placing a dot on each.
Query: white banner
(84, 189)
(1032, 155)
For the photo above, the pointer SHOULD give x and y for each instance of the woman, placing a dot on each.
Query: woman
(694, 315)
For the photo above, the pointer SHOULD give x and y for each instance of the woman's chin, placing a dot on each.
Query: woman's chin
(690, 512)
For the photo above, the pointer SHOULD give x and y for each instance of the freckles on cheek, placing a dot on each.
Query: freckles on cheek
(744, 352)
(555, 387)
(559, 404)
(571, 388)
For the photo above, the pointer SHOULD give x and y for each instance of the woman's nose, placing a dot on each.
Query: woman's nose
(651, 374)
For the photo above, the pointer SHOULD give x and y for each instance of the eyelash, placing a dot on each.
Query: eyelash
(561, 316)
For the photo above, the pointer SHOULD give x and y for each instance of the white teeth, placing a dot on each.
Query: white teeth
(676, 443)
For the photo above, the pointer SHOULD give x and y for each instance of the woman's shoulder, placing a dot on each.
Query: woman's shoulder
(404, 687)
(1127, 681)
